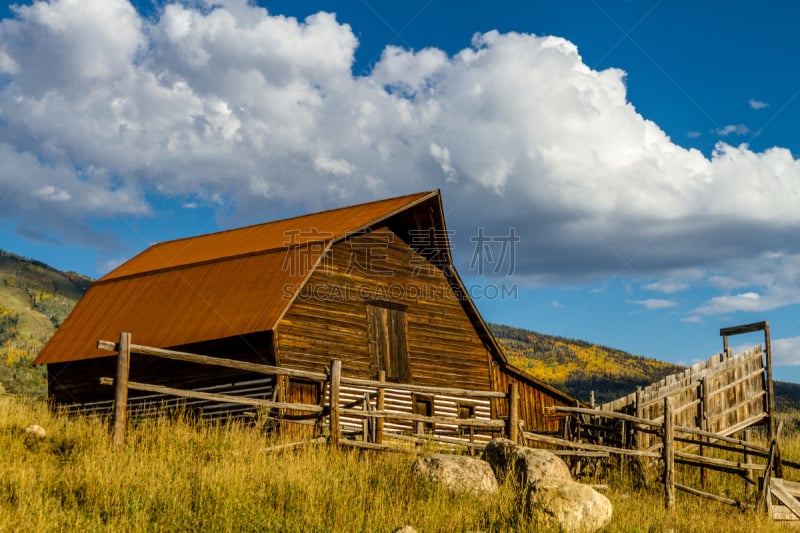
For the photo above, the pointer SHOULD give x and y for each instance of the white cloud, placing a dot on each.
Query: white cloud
(757, 104)
(762, 283)
(442, 156)
(693, 134)
(654, 303)
(786, 351)
(738, 129)
(229, 104)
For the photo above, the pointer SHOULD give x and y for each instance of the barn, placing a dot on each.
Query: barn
(372, 285)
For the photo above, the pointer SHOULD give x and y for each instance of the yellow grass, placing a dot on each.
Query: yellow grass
(178, 475)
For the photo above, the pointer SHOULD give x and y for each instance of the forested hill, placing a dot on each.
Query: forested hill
(34, 299)
(579, 367)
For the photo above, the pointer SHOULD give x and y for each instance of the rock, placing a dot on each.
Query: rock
(575, 508)
(457, 473)
(529, 465)
(35, 431)
(405, 529)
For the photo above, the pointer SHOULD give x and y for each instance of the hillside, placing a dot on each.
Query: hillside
(34, 299)
(579, 367)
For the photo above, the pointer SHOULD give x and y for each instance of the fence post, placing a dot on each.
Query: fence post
(121, 388)
(513, 411)
(336, 377)
(749, 479)
(637, 437)
(365, 424)
(669, 455)
(380, 404)
(703, 425)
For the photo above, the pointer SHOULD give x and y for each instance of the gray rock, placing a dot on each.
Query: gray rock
(529, 465)
(457, 473)
(35, 431)
(574, 508)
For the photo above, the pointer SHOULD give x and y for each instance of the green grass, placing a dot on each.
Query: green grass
(180, 475)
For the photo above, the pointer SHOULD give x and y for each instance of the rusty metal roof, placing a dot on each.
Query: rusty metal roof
(211, 286)
(316, 227)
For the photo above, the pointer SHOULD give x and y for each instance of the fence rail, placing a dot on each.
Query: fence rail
(366, 415)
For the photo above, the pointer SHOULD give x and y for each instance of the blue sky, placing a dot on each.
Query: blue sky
(644, 153)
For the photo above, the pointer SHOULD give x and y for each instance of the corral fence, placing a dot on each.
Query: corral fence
(759, 467)
(686, 418)
(354, 411)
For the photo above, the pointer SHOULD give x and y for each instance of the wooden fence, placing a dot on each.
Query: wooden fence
(360, 413)
(721, 396)
(687, 446)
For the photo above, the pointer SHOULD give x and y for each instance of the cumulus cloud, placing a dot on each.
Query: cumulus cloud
(735, 129)
(786, 351)
(757, 104)
(101, 109)
(654, 303)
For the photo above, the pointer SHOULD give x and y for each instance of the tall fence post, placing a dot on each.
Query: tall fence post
(380, 403)
(703, 423)
(669, 455)
(513, 411)
(121, 388)
(637, 437)
(336, 377)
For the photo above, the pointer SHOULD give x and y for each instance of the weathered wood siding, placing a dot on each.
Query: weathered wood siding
(329, 320)
(532, 401)
(721, 395)
(76, 384)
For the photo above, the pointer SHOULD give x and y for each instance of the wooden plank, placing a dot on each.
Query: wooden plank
(778, 490)
(764, 500)
(121, 388)
(746, 328)
(707, 495)
(604, 414)
(472, 393)
(214, 397)
(394, 415)
(585, 446)
(711, 462)
(669, 456)
(513, 411)
(792, 487)
(335, 382)
(217, 361)
(783, 514)
(380, 405)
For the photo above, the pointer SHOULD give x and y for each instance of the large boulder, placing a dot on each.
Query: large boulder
(528, 465)
(457, 473)
(570, 506)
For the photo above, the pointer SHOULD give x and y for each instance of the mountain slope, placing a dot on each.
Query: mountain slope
(34, 299)
(579, 367)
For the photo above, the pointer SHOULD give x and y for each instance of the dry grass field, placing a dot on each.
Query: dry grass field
(179, 475)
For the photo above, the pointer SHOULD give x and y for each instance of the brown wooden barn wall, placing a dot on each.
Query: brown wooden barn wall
(77, 382)
(329, 319)
(532, 401)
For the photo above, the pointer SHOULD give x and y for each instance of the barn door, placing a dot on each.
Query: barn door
(387, 328)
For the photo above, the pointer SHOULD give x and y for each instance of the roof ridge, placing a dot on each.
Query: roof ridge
(292, 217)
